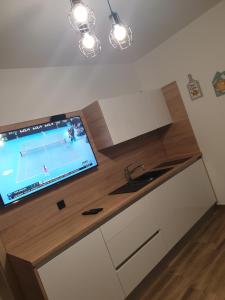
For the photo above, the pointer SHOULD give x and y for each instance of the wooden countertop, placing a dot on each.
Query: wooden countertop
(48, 244)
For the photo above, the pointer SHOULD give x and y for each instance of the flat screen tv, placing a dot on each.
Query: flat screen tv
(36, 157)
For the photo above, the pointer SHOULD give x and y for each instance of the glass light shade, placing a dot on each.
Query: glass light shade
(81, 15)
(89, 45)
(120, 36)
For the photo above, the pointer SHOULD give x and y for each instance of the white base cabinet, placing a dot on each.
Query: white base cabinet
(110, 262)
(181, 201)
(171, 210)
(141, 263)
(130, 229)
(82, 272)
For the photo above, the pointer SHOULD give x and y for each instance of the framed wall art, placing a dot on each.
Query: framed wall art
(219, 83)
(194, 88)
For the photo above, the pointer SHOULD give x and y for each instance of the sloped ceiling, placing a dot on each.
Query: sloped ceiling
(36, 33)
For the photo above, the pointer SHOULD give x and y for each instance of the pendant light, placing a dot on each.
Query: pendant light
(89, 44)
(120, 35)
(81, 15)
(82, 19)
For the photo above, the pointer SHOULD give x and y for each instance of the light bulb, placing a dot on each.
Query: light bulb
(120, 36)
(119, 32)
(88, 41)
(80, 13)
(81, 16)
(89, 45)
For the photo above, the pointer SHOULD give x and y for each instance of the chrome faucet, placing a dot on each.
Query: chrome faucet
(128, 172)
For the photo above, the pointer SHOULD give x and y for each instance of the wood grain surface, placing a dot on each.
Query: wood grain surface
(97, 125)
(42, 247)
(179, 137)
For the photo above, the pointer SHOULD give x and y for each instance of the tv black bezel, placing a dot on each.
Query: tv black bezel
(50, 187)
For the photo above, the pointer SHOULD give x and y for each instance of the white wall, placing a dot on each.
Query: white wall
(26, 94)
(198, 49)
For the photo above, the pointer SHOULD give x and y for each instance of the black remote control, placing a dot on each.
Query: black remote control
(92, 211)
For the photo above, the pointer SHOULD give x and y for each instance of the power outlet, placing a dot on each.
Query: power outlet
(61, 204)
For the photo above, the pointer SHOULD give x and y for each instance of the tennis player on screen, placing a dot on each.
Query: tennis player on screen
(45, 169)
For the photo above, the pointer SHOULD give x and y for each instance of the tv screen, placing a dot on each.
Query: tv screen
(39, 156)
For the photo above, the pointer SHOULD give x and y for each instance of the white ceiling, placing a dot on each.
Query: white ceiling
(35, 33)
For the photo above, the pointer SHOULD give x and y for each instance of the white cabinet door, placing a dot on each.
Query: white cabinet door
(132, 115)
(140, 264)
(181, 202)
(82, 272)
(127, 231)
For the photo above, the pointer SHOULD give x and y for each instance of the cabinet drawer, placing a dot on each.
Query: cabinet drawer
(126, 232)
(138, 266)
(82, 272)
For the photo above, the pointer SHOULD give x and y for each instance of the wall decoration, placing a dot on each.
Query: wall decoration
(194, 88)
(219, 83)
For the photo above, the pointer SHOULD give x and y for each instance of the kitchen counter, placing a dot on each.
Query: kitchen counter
(42, 247)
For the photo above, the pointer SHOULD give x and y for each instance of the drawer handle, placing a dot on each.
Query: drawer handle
(138, 249)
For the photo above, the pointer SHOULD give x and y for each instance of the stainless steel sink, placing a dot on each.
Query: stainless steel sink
(151, 175)
(139, 182)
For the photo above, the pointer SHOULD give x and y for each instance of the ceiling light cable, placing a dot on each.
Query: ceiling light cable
(121, 36)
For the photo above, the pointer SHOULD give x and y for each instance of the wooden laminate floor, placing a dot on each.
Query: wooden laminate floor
(195, 270)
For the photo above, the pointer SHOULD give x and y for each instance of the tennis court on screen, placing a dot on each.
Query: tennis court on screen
(46, 153)
(40, 157)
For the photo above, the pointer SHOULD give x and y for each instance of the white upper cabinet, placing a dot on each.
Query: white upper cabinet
(115, 120)
(132, 115)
